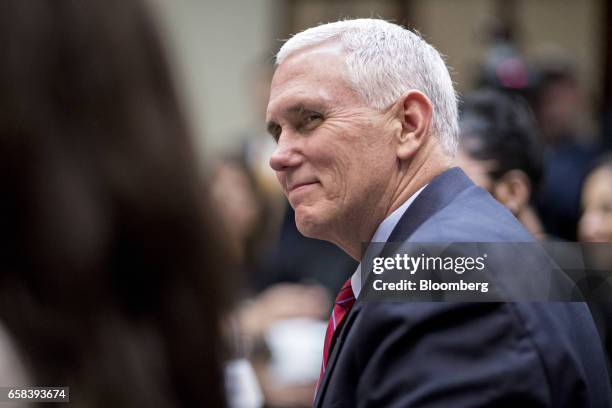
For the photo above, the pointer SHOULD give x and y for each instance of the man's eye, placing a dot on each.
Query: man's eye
(275, 132)
(310, 121)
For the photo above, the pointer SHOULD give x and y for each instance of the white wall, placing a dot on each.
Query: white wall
(213, 43)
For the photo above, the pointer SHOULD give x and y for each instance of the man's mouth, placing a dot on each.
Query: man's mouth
(297, 186)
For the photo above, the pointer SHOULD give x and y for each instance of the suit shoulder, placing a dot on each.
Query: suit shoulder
(473, 216)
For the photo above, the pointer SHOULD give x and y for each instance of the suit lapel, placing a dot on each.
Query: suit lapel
(438, 193)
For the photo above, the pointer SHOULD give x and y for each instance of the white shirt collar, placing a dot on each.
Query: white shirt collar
(382, 234)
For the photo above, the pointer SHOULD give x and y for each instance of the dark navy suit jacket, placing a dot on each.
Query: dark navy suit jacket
(427, 354)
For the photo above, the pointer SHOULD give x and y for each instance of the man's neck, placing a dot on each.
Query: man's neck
(418, 173)
(429, 163)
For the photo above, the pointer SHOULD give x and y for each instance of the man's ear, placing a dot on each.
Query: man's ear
(414, 113)
(513, 190)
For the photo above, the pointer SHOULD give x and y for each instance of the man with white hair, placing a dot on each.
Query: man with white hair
(365, 119)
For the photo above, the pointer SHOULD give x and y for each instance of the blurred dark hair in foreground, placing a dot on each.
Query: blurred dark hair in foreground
(110, 278)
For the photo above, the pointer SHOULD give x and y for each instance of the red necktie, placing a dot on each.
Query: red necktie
(344, 302)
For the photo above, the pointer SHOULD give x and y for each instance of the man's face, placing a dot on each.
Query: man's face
(335, 158)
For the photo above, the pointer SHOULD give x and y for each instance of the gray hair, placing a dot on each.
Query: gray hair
(385, 60)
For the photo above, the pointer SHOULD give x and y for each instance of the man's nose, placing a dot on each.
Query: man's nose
(286, 155)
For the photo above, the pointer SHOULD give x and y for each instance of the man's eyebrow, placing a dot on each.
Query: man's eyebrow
(301, 107)
(298, 108)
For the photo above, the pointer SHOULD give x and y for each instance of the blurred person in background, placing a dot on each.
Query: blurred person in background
(558, 104)
(280, 322)
(596, 227)
(503, 66)
(596, 221)
(551, 87)
(500, 150)
(245, 214)
(111, 267)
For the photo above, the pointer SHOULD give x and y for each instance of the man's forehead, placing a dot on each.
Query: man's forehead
(309, 61)
(312, 76)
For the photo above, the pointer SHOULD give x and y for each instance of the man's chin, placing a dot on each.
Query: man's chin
(309, 224)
